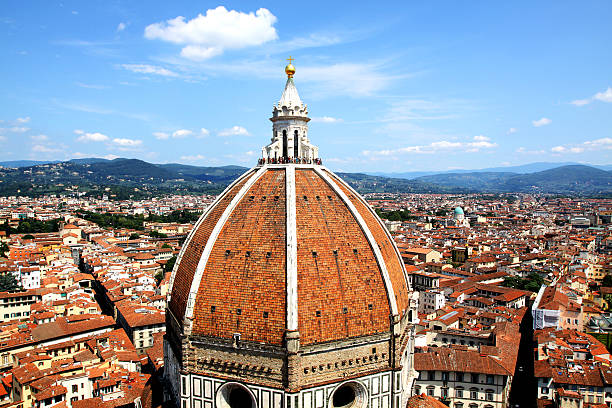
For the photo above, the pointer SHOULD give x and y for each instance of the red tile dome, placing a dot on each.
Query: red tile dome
(288, 247)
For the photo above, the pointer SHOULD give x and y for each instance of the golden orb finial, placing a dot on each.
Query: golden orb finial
(290, 69)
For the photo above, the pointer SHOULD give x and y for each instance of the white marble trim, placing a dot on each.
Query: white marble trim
(292, 297)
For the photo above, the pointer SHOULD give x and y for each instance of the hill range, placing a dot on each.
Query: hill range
(124, 178)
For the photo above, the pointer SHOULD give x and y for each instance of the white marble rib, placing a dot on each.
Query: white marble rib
(292, 297)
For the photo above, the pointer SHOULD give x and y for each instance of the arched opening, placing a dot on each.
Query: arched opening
(239, 397)
(349, 395)
(234, 395)
(285, 143)
(296, 144)
(344, 397)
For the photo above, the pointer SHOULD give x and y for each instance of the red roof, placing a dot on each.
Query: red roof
(341, 288)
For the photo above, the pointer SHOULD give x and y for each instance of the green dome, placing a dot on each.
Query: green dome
(458, 211)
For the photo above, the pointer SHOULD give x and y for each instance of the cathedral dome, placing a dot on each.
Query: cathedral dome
(289, 288)
(288, 247)
(459, 211)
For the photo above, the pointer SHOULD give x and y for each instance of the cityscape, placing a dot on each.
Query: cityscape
(298, 266)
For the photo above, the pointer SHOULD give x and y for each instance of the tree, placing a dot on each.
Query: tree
(170, 264)
(4, 248)
(157, 234)
(159, 276)
(166, 246)
(134, 236)
(8, 282)
(607, 281)
(28, 236)
(532, 282)
(512, 282)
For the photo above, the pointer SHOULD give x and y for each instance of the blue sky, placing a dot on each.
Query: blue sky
(393, 86)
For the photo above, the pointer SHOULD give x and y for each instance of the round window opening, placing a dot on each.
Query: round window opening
(350, 395)
(234, 395)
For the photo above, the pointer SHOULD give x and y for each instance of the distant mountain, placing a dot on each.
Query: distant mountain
(571, 179)
(522, 169)
(365, 183)
(22, 163)
(120, 178)
(577, 179)
(124, 178)
(223, 174)
(89, 160)
(131, 169)
(481, 181)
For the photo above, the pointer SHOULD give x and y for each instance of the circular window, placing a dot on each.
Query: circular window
(349, 395)
(234, 395)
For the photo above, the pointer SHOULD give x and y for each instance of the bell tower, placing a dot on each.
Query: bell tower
(290, 127)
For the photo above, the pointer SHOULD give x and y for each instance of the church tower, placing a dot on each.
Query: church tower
(289, 292)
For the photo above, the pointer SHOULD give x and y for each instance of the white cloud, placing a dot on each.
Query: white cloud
(476, 146)
(326, 119)
(481, 138)
(234, 131)
(558, 149)
(177, 134)
(23, 120)
(523, 150)
(511, 131)
(39, 138)
(2, 138)
(605, 143)
(581, 102)
(198, 53)
(315, 40)
(15, 129)
(180, 133)
(325, 79)
(79, 155)
(161, 135)
(590, 145)
(40, 148)
(605, 96)
(356, 79)
(541, 122)
(149, 69)
(445, 144)
(197, 157)
(209, 35)
(121, 27)
(90, 86)
(434, 147)
(102, 111)
(127, 143)
(90, 137)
